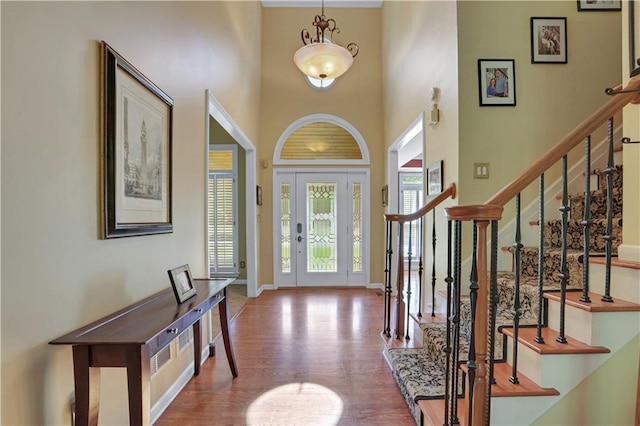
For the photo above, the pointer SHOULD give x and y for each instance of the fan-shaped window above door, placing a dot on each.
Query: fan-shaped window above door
(321, 139)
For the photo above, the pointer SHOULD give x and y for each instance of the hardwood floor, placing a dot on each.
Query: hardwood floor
(305, 357)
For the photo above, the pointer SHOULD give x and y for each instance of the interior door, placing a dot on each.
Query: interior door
(320, 229)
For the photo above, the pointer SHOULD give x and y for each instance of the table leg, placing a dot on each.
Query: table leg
(87, 387)
(138, 379)
(224, 325)
(197, 347)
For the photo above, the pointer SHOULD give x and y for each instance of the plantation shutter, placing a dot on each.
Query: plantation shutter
(222, 238)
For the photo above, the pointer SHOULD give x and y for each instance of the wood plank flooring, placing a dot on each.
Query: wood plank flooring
(305, 357)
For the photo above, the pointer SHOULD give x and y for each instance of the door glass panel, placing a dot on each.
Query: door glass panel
(357, 227)
(322, 250)
(285, 227)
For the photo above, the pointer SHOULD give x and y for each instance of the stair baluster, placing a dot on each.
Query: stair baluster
(397, 310)
(409, 280)
(448, 280)
(455, 320)
(399, 302)
(564, 271)
(433, 267)
(420, 264)
(539, 338)
(586, 222)
(473, 299)
(609, 237)
(493, 299)
(387, 282)
(517, 255)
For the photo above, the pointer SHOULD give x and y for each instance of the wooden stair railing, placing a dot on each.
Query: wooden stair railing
(396, 313)
(483, 278)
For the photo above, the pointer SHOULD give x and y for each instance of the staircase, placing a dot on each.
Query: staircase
(576, 313)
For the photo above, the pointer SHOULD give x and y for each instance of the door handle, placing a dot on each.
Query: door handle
(299, 228)
(299, 239)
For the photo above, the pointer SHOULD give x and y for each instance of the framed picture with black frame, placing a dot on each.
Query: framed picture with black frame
(435, 176)
(182, 283)
(599, 5)
(497, 82)
(136, 133)
(548, 40)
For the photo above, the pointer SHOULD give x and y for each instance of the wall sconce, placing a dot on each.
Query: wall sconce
(434, 116)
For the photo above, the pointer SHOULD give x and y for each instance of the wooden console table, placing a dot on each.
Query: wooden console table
(130, 337)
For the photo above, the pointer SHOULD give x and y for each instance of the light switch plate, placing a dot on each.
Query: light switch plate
(481, 170)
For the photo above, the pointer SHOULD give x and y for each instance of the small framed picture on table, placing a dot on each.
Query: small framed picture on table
(182, 283)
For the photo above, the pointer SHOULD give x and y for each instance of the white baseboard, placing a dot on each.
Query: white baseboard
(264, 287)
(376, 285)
(172, 392)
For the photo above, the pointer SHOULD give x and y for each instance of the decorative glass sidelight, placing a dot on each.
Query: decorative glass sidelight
(357, 227)
(322, 218)
(285, 227)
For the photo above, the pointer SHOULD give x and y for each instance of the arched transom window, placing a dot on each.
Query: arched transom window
(321, 139)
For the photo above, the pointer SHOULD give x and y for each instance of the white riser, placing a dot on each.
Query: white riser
(562, 372)
(607, 329)
(528, 409)
(625, 282)
(596, 328)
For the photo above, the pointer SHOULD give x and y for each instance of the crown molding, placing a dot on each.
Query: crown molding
(328, 3)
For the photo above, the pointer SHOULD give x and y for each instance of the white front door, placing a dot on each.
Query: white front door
(320, 229)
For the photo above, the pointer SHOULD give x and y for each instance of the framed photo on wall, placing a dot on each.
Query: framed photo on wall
(548, 40)
(497, 82)
(435, 177)
(606, 5)
(136, 133)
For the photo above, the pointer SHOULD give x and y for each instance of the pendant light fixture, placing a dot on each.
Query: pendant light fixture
(320, 57)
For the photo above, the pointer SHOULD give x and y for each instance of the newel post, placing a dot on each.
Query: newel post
(481, 215)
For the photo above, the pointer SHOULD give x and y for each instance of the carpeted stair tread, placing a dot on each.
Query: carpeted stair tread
(575, 238)
(410, 367)
(420, 372)
(435, 339)
(551, 262)
(598, 204)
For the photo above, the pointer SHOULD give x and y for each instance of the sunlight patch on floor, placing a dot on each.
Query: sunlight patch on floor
(296, 403)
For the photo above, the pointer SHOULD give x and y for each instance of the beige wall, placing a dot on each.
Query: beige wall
(420, 51)
(57, 274)
(551, 98)
(630, 249)
(356, 97)
(438, 43)
(606, 397)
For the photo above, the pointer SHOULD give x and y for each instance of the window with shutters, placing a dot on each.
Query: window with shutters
(222, 210)
(411, 199)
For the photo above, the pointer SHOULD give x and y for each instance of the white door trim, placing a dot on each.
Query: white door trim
(365, 213)
(214, 109)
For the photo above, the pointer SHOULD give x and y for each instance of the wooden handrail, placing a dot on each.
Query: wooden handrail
(566, 144)
(450, 191)
(477, 212)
